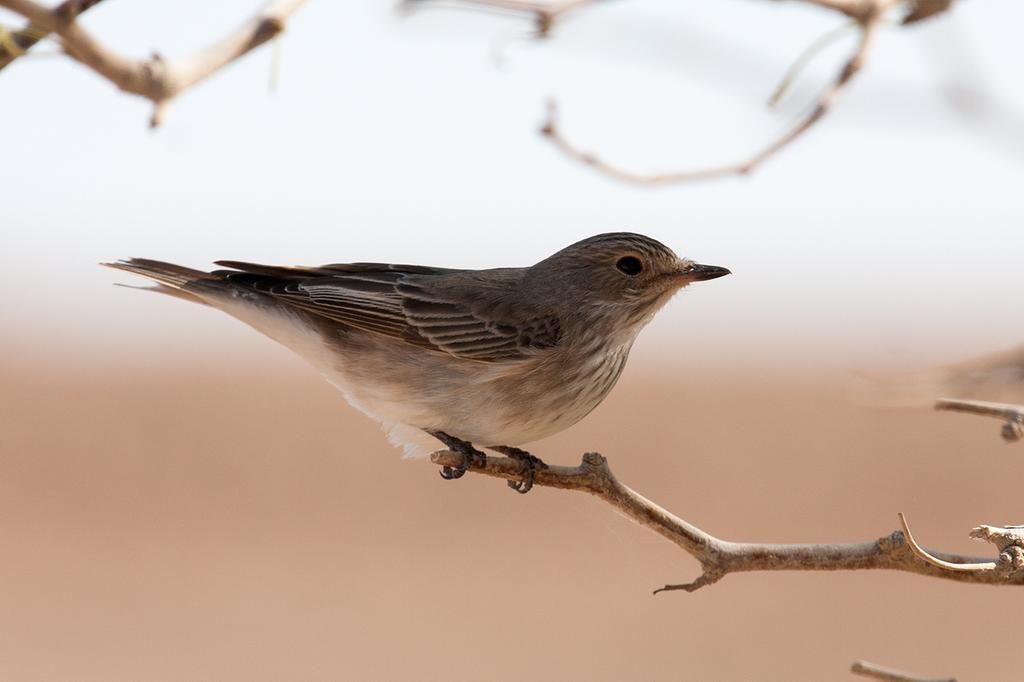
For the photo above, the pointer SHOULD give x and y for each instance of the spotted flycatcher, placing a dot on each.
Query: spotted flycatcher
(497, 357)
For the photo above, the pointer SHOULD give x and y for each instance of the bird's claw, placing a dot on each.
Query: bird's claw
(451, 473)
(530, 466)
(526, 485)
(469, 459)
(470, 456)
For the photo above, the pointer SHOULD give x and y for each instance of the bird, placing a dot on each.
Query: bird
(498, 357)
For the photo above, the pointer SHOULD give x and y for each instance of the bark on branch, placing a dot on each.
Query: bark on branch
(867, 15)
(157, 79)
(719, 557)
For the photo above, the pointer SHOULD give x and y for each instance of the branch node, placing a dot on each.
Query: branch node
(9, 43)
(868, 15)
(66, 12)
(548, 128)
(718, 558)
(925, 9)
(893, 542)
(159, 113)
(1011, 561)
(1002, 537)
(708, 577)
(1012, 415)
(545, 22)
(268, 28)
(157, 79)
(1012, 431)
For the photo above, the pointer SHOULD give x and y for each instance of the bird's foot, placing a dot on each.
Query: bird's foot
(530, 466)
(470, 455)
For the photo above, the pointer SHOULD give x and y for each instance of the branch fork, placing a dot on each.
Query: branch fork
(157, 79)
(718, 558)
(867, 16)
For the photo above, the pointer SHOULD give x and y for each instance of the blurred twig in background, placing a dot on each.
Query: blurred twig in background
(17, 43)
(867, 16)
(879, 672)
(160, 80)
(1012, 415)
(896, 551)
(156, 79)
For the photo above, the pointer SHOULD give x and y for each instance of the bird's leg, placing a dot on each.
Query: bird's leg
(530, 464)
(470, 455)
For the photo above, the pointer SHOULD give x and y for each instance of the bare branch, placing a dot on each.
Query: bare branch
(851, 68)
(16, 44)
(157, 79)
(890, 674)
(719, 557)
(868, 16)
(544, 13)
(804, 59)
(925, 9)
(1012, 415)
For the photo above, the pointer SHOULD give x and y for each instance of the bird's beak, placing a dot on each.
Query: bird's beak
(695, 272)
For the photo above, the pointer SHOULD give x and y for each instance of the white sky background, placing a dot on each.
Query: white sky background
(890, 234)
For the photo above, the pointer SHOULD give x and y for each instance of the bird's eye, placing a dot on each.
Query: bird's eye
(630, 265)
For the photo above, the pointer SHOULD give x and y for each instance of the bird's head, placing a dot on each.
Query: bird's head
(628, 276)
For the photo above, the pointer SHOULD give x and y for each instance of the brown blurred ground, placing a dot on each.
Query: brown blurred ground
(198, 524)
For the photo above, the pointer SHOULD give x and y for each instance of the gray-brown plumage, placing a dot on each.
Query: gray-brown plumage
(496, 357)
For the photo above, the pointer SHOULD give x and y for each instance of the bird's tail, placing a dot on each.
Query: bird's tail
(170, 279)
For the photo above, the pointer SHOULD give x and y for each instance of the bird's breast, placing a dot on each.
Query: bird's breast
(559, 391)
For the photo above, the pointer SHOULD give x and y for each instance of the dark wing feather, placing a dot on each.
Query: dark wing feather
(445, 310)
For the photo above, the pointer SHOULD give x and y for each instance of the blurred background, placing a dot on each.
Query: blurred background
(180, 498)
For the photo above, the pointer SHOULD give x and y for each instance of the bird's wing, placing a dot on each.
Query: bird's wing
(451, 311)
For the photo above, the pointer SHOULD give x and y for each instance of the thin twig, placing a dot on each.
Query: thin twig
(544, 13)
(551, 10)
(1012, 415)
(867, 15)
(18, 43)
(825, 102)
(721, 557)
(925, 9)
(809, 53)
(891, 674)
(156, 79)
(924, 555)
